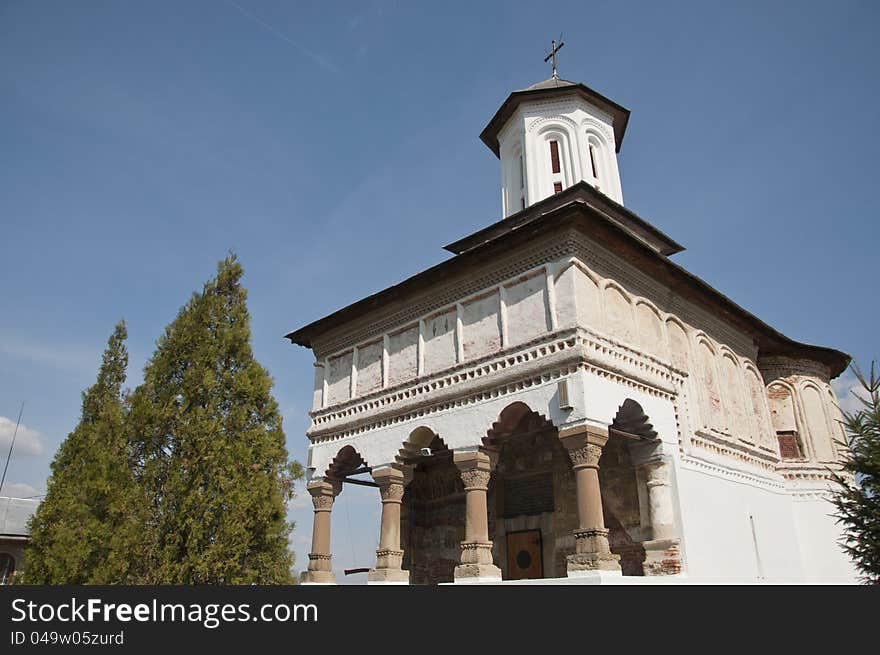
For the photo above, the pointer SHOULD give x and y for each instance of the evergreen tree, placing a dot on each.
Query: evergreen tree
(858, 499)
(73, 530)
(209, 451)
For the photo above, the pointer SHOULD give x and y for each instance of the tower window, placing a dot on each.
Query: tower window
(593, 162)
(557, 187)
(554, 156)
(522, 175)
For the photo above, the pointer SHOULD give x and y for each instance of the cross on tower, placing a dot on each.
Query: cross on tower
(552, 55)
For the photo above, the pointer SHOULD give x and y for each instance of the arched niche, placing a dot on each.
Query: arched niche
(433, 508)
(818, 424)
(532, 498)
(783, 418)
(348, 461)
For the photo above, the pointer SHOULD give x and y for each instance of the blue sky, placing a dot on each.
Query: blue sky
(335, 148)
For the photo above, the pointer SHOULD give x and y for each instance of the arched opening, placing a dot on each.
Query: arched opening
(347, 462)
(632, 437)
(532, 496)
(433, 510)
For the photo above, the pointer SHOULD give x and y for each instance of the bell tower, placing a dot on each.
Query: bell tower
(553, 135)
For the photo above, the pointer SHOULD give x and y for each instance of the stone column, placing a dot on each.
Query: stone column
(592, 553)
(476, 549)
(389, 556)
(662, 552)
(320, 572)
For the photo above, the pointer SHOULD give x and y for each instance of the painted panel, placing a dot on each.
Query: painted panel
(481, 328)
(369, 368)
(709, 384)
(440, 341)
(817, 424)
(679, 346)
(339, 378)
(618, 316)
(403, 350)
(650, 330)
(737, 423)
(527, 308)
(760, 422)
(587, 293)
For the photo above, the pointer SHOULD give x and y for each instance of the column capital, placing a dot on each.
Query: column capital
(474, 467)
(323, 492)
(584, 444)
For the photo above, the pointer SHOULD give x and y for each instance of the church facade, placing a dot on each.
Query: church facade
(561, 401)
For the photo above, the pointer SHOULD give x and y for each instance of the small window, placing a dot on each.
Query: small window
(7, 568)
(557, 187)
(593, 162)
(522, 175)
(522, 202)
(554, 156)
(788, 444)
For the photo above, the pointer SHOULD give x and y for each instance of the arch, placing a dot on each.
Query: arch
(650, 327)
(733, 400)
(817, 422)
(784, 420)
(760, 410)
(419, 439)
(514, 178)
(347, 461)
(432, 522)
(709, 383)
(563, 131)
(618, 312)
(514, 419)
(679, 343)
(632, 420)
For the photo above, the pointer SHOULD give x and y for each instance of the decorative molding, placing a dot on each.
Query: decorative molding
(587, 456)
(475, 478)
(391, 492)
(774, 484)
(534, 364)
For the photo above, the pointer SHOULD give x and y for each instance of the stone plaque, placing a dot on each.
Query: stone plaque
(531, 494)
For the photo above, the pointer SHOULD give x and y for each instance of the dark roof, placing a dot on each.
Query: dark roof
(575, 208)
(639, 227)
(550, 87)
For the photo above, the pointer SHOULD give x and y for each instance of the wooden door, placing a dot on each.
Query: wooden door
(524, 555)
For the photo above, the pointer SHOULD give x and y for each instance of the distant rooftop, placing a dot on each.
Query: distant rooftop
(14, 515)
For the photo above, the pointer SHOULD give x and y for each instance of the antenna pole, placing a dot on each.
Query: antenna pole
(11, 445)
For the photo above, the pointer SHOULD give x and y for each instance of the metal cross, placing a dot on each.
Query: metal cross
(552, 55)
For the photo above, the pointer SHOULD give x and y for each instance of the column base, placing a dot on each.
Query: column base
(474, 573)
(662, 557)
(318, 577)
(388, 576)
(579, 562)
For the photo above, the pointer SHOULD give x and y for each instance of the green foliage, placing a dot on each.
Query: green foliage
(209, 451)
(858, 499)
(73, 530)
(186, 480)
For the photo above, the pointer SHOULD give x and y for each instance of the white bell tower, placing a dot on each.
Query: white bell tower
(553, 135)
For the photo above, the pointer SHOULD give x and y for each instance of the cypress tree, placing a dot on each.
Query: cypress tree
(209, 449)
(74, 528)
(858, 498)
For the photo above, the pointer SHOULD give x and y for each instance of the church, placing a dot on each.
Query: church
(560, 402)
